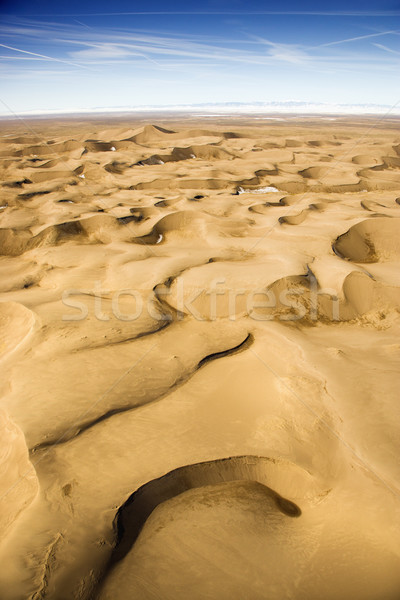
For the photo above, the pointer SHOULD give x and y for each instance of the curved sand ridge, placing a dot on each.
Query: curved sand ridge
(290, 299)
(204, 291)
(366, 159)
(132, 516)
(205, 152)
(16, 324)
(98, 228)
(104, 228)
(151, 133)
(49, 149)
(246, 473)
(370, 241)
(18, 480)
(226, 509)
(75, 413)
(181, 225)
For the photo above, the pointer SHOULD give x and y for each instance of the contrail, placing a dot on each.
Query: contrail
(360, 37)
(44, 56)
(382, 47)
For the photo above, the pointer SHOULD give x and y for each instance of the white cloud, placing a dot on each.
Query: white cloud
(99, 51)
(287, 53)
(232, 108)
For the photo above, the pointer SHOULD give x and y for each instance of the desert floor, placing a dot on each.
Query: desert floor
(199, 342)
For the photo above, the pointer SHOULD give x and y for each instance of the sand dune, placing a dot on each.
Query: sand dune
(199, 341)
(370, 241)
(151, 133)
(48, 149)
(16, 323)
(154, 133)
(251, 506)
(18, 481)
(294, 219)
(205, 152)
(133, 514)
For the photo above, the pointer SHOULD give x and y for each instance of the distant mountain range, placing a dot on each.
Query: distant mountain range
(231, 108)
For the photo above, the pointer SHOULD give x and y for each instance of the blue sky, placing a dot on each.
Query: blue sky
(75, 55)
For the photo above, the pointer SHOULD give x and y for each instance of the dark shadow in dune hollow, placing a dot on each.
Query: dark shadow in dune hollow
(132, 515)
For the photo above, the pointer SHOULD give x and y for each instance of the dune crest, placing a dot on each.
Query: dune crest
(18, 480)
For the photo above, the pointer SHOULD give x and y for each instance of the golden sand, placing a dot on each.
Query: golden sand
(199, 342)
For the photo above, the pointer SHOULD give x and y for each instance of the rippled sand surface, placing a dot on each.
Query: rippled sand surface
(199, 352)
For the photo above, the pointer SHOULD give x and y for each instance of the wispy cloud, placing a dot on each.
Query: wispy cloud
(292, 53)
(358, 38)
(382, 47)
(107, 46)
(196, 61)
(161, 47)
(39, 74)
(99, 51)
(103, 48)
(43, 57)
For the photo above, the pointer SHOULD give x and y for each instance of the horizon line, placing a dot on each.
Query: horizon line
(227, 109)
